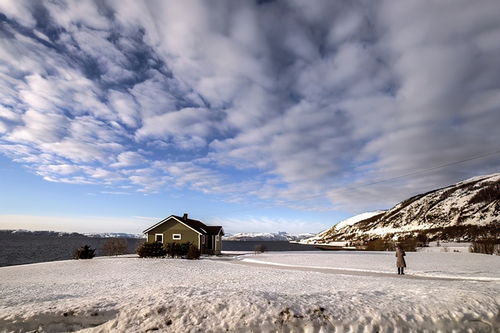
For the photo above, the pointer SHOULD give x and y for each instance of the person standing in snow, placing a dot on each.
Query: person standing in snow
(400, 261)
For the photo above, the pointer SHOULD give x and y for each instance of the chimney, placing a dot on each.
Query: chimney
(185, 217)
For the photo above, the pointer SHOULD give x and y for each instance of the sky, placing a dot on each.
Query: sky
(260, 116)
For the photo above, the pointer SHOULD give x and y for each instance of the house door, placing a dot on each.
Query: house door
(209, 242)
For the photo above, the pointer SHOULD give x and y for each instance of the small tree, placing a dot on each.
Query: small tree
(85, 252)
(423, 240)
(409, 244)
(193, 252)
(379, 244)
(260, 248)
(114, 246)
(151, 250)
(486, 246)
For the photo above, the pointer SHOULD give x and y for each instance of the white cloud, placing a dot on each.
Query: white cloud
(128, 224)
(308, 97)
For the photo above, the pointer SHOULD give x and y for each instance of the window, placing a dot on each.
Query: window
(159, 238)
(202, 239)
(217, 238)
(176, 236)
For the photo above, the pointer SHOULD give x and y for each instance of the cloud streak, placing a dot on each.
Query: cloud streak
(296, 103)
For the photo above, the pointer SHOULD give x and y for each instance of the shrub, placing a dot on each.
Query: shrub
(260, 248)
(184, 249)
(193, 252)
(85, 252)
(114, 246)
(409, 244)
(151, 250)
(485, 246)
(379, 244)
(423, 240)
(177, 249)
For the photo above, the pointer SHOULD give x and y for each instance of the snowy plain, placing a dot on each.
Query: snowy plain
(314, 292)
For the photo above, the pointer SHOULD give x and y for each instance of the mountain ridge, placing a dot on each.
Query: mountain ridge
(465, 210)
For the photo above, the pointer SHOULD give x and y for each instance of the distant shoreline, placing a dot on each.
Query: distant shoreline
(25, 247)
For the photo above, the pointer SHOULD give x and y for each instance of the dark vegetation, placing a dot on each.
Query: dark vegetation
(172, 250)
(486, 246)
(151, 250)
(193, 252)
(489, 193)
(114, 247)
(408, 244)
(26, 247)
(260, 248)
(84, 252)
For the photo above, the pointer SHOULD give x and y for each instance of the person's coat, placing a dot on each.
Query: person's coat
(400, 261)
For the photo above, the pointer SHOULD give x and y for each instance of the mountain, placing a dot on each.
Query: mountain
(114, 235)
(265, 236)
(466, 210)
(344, 223)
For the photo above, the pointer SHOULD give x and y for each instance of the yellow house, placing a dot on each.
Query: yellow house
(176, 229)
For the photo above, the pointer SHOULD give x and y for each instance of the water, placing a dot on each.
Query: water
(270, 246)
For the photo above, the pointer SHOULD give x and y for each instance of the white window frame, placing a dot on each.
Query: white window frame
(176, 236)
(156, 239)
(217, 238)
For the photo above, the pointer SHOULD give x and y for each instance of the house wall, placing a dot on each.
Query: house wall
(171, 227)
(217, 244)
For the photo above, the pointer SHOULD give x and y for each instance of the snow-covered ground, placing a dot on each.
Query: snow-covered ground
(128, 294)
(465, 266)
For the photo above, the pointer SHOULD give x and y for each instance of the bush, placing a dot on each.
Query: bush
(151, 250)
(85, 252)
(379, 244)
(260, 248)
(193, 252)
(486, 246)
(114, 246)
(409, 244)
(177, 249)
(423, 240)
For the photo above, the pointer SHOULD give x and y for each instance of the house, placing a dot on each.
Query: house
(177, 229)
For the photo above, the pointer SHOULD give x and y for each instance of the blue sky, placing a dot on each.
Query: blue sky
(260, 116)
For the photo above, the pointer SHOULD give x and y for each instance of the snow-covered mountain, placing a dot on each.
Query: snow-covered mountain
(318, 238)
(265, 236)
(114, 235)
(75, 234)
(465, 210)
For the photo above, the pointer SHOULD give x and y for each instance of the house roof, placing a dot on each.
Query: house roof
(215, 230)
(196, 225)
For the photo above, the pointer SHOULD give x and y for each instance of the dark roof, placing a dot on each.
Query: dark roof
(198, 226)
(195, 224)
(214, 230)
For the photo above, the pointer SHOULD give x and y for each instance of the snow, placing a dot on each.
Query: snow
(344, 223)
(228, 293)
(357, 218)
(467, 266)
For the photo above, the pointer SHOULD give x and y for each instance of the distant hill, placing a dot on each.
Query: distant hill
(465, 211)
(264, 236)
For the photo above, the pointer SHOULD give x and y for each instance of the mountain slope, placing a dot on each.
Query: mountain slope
(465, 210)
(347, 222)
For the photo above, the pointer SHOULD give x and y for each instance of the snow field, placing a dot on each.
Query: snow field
(171, 295)
(470, 266)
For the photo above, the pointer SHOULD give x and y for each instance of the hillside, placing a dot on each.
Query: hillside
(466, 210)
(265, 236)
